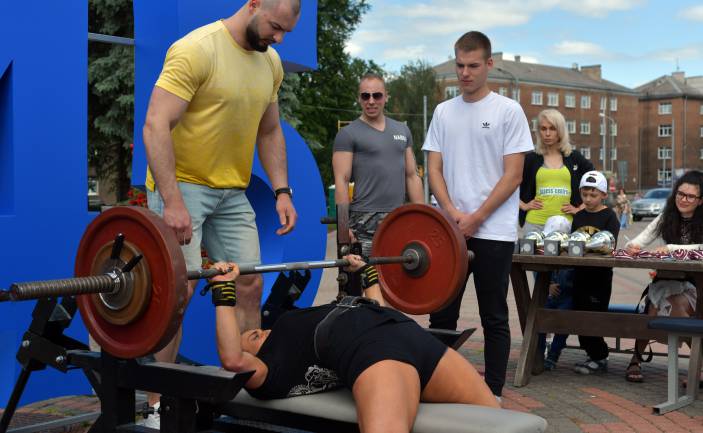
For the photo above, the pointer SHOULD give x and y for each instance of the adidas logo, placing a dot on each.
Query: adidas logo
(486, 125)
(401, 138)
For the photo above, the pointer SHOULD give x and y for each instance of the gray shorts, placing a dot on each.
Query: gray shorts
(364, 225)
(223, 221)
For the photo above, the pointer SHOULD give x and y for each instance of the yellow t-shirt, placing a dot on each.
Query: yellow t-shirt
(228, 89)
(554, 189)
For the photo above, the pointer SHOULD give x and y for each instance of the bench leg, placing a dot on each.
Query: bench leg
(694, 368)
(674, 401)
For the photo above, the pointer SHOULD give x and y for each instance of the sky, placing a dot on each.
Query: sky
(635, 41)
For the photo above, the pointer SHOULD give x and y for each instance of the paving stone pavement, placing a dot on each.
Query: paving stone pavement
(569, 402)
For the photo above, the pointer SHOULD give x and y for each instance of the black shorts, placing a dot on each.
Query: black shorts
(405, 342)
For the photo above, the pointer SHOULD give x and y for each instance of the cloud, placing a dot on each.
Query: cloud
(691, 52)
(693, 13)
(353, 49)
(580, 48)
(404, 53)
(598, 8)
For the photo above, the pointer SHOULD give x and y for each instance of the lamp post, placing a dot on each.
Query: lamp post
(605, 133)
(516, 90)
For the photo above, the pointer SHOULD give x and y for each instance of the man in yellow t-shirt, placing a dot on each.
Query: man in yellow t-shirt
(216, 98)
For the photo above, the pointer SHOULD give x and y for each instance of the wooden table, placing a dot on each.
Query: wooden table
(535, 319)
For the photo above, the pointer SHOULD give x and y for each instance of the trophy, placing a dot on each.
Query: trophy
(601, 242)
(577, 243)
(554, 242)
(531, 241)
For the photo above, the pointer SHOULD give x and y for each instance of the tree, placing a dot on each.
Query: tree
(405, 103)
(328, 94)
(111, 95)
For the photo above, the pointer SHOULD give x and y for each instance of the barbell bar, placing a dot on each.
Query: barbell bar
(131, 281)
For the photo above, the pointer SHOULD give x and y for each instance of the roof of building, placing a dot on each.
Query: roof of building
(534, 73)
(675, 85)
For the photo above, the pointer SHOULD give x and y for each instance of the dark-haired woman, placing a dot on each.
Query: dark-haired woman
(680, 226)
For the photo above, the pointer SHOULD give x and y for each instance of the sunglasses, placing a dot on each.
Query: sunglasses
(365, 96)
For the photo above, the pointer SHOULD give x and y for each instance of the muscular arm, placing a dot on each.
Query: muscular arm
(272, 154)
(229, 348)
(164, 112)
(413, 184)
(438, 184)
(342, 168)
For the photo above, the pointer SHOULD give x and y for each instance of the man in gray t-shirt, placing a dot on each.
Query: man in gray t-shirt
(375, 152)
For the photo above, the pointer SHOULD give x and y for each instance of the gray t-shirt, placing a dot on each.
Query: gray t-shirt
(378, 164)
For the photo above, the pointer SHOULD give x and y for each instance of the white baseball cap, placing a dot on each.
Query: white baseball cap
(557, 223)
(594, 179)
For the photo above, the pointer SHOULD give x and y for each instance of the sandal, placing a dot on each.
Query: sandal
(633, 372)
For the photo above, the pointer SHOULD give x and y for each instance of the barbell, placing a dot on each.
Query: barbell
(131, 280)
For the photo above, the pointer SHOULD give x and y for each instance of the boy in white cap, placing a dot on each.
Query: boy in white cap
(593, 285)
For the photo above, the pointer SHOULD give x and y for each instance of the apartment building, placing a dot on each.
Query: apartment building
(602, 116)
(671, 125)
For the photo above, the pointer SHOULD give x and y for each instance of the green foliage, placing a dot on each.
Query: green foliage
(328, 94)
(111, 95)
(416, 79)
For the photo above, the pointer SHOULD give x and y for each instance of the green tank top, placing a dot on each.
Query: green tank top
(554, 189)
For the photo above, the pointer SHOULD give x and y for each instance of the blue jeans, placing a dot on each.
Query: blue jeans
(564, 301)
(223, 221)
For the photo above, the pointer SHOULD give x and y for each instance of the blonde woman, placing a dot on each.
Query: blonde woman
(551, 174)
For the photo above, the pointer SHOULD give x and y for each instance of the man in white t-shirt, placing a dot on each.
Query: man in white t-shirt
(476, 145)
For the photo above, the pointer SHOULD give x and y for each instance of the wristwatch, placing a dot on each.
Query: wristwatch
(286, 190)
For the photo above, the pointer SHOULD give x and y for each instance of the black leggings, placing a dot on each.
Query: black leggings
(491, 269)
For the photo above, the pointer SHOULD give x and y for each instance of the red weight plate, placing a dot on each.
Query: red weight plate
(161, 319)
(446, 251)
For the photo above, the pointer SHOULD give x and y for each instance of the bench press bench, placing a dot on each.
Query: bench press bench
(335, 412)
(677, 327)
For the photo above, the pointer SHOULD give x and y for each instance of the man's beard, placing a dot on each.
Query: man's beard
(253, 37)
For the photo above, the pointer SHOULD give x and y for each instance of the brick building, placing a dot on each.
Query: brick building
(582, 96)
(671, 120)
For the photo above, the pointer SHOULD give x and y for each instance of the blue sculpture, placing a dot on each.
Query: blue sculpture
(43, 160)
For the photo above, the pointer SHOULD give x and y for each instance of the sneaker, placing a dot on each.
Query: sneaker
(590, 366)
(550, 364)
(153, 420)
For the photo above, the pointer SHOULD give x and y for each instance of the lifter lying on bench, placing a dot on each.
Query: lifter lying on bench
(388, 361)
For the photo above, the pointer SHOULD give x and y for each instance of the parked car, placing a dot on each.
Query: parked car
(651, 204)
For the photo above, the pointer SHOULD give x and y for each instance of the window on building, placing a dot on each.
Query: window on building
(665, 130)
(600, 154)
(534, 124)
(536, 98)
(451, 92)
(585, 128)
(702, 109)
(613, 129)
(665, 108)
(701, 131)
(585, 101)
(613, 153)
(613, 104)
(570, 100)
(553, 99)
(701, 154)
(664, 176)
(516, 95)
(600, 128)
(603, 102)
(502, 91)
(586, 152)
(571, 126)
(664, 153)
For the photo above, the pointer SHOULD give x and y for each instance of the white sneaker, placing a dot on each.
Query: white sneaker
(153, 420)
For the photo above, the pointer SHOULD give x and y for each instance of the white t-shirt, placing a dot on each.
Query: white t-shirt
(473, 137)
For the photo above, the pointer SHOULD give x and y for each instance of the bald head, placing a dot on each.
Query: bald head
(293, 4)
